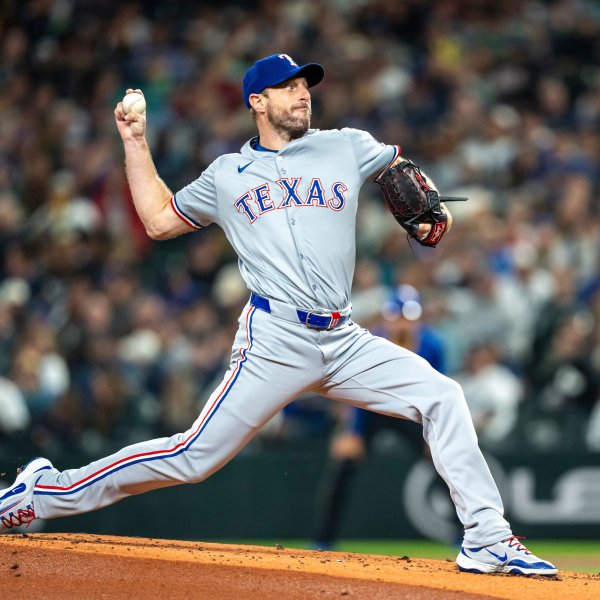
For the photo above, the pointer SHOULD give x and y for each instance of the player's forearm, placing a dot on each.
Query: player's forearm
(150, 193)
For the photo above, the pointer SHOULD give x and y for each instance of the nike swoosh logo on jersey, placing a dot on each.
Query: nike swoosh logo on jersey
(20, 488)
(240, 168)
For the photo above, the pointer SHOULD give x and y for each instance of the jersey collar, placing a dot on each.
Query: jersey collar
(256, 146)
(253, 149)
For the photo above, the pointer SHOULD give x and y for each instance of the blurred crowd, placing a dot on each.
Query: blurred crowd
(108, 338)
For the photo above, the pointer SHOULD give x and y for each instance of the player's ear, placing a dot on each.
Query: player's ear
(257, 102)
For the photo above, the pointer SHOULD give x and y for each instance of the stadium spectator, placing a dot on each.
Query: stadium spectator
(493, 393)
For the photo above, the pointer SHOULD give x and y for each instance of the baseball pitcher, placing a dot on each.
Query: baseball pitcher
(287, 203)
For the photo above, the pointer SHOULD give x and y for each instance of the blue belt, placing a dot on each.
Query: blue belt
(315, 319)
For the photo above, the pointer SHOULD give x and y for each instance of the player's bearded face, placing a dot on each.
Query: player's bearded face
(293, 120)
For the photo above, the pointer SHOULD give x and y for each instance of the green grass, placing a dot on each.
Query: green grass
(570, 555)
(413, 548)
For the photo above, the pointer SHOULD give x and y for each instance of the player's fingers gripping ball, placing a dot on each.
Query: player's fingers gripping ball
(134, 102)
(133, 108)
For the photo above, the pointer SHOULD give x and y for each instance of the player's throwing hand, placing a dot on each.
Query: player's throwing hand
(131, 125)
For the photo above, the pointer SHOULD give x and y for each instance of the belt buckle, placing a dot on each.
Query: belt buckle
(317, 313)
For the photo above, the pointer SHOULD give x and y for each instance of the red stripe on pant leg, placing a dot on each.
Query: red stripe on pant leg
(178, 446)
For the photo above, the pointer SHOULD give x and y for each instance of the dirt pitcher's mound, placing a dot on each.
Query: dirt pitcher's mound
(49, 566)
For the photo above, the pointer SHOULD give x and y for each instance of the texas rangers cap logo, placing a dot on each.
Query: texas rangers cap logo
(289, 59)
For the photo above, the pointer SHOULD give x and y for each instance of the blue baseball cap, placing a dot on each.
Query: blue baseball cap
(276, 69)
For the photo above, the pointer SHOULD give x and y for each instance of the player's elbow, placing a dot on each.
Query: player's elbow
(166, 225)
(156, 230)
(153, 231)
(155, 235)
(160, 234)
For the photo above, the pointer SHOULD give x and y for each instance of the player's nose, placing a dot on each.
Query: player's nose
(304, 94)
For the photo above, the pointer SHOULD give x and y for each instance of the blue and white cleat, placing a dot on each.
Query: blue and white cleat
(507, 556)
(16, 501)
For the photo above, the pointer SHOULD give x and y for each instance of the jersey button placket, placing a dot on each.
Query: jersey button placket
(282, 171)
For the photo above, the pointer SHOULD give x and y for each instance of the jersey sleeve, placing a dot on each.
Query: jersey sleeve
(372, 157)
(197, 202)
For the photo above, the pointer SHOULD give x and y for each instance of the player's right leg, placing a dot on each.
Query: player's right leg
(267, 371)
(385, 378)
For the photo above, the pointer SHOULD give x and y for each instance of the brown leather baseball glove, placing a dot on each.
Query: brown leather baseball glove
(413, 201)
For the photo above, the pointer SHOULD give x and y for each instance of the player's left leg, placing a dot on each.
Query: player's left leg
(258, 383)
(375, 374)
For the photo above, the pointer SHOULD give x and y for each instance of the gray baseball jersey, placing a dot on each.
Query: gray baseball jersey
(290, 215)
(290, 219)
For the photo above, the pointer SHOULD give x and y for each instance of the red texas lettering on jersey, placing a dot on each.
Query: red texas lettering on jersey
(260, 200)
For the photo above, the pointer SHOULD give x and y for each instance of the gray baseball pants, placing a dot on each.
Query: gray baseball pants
(273, 361)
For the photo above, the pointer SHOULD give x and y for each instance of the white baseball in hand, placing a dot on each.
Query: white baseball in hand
(134, 101)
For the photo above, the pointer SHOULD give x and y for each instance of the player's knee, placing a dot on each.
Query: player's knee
(455, 389)
(193, 469)
(455, 392)
(195, 475)
(450, 394)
